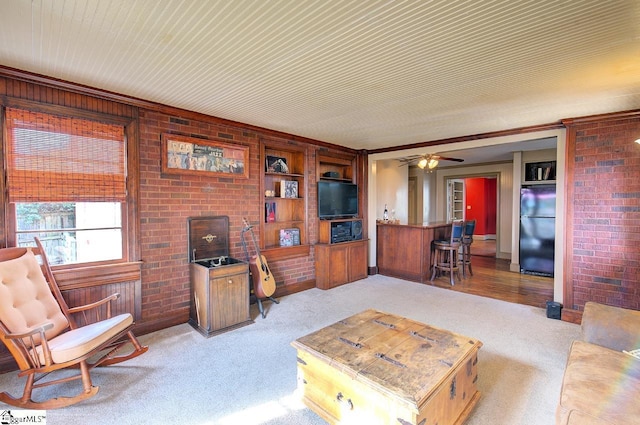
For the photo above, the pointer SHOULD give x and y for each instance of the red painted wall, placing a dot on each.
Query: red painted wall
(491, 186)
(481, 197)
(475, 203)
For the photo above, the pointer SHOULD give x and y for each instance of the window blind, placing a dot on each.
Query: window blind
(62, 159)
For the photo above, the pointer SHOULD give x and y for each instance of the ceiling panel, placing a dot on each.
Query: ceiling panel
(364, 74)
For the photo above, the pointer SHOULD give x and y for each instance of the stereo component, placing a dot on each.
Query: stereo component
(337, 231)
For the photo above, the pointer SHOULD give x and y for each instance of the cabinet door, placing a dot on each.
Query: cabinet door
(357, 260)
(331, 265)
(229, 301)
(338, 265)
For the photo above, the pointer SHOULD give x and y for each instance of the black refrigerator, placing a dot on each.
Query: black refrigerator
(537, 229)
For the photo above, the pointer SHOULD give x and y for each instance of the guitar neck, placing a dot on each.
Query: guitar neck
(253, 237)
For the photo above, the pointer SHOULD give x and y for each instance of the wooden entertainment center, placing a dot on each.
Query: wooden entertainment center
(341, 251)
(342, 248)
(340, 262)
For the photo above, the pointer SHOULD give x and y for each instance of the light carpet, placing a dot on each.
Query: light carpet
(248, 375)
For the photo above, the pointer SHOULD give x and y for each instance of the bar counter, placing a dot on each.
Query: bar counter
(404, 250)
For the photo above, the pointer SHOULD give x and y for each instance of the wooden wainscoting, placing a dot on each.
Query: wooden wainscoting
(87, 284)
(126, 303)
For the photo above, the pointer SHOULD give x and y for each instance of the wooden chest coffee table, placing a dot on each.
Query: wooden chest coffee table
(378, 368)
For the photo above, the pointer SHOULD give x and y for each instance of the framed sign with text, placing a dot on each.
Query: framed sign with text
(189, 155)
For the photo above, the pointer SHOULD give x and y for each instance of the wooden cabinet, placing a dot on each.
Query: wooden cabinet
(341, 255)
(340, 263)
(283, 185)
(219, 283)
(404, 251)
(220, 298)
(340, 167)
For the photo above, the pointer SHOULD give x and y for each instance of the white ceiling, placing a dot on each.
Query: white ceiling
(501, 152)
(362, 73)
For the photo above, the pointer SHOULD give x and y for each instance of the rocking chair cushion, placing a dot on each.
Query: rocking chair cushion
(78, 342)
(26, 299)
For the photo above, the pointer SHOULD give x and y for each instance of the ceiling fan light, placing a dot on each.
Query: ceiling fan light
(432, 163)
(422, 163)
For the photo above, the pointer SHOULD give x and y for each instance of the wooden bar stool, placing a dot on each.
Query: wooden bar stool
(467, 239)
(446, 253)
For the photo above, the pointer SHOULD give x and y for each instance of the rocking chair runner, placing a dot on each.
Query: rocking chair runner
(39, 330)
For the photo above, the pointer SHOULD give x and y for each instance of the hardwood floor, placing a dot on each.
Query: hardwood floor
(485, 248)
(492, 278)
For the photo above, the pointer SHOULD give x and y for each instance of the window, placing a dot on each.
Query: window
(66, 184)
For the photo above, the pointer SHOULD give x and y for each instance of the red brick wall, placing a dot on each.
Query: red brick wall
(603, 183)
(604, 212)
(167, 200)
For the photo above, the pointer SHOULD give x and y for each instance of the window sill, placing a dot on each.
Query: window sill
(84, 277)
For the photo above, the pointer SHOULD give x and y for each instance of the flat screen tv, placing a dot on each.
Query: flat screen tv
(337, 199)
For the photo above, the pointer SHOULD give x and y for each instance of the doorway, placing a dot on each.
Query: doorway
(432, 187)
(476, 198)
(413, 200)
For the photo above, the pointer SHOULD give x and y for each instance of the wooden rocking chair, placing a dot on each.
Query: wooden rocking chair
(37, 327)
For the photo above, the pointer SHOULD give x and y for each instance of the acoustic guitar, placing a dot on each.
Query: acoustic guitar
(264, 284)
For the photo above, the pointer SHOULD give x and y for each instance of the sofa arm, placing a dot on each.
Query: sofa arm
(576, 417)
(612, 327)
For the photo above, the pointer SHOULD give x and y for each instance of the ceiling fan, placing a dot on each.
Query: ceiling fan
(429, 161)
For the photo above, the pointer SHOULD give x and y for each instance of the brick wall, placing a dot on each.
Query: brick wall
(603, 186)
(167, 200)
(604, 164)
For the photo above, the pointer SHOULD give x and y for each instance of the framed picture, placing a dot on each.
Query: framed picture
(290, 237)
(188, 155)
(276, 164)
(288, 189)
